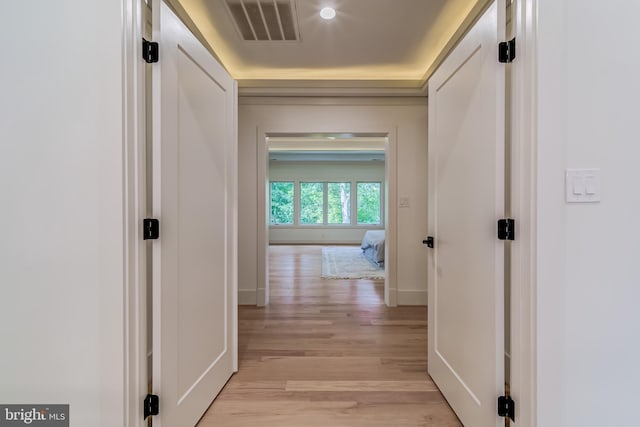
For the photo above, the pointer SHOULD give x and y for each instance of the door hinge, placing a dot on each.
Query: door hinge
(506, 229)
(507, 51)
(150, 229)
(151, 405)
(507, 407)
(150, 51)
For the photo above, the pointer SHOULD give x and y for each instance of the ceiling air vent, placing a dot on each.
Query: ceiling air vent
(265, 20)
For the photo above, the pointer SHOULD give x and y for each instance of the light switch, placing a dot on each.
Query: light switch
(404, 202)
(578, 185)
(591, 185)
(583, 185)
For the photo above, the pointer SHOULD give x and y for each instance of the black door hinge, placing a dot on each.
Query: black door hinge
(151, 405)
(150, 229)
(150, 51)
(507, 51)
(507, 407)
(506, 229)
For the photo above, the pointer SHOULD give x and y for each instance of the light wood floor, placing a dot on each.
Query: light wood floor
(328, 353)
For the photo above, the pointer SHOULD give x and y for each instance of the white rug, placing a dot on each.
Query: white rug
(348, 262)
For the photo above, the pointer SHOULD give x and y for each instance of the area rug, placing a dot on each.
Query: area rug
(348, 262)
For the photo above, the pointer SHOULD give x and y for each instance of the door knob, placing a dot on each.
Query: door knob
(428, 242)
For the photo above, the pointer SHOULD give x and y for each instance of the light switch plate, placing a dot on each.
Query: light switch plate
(583, 185)
(404, 202)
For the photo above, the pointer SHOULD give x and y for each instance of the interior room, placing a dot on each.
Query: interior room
(327, 191)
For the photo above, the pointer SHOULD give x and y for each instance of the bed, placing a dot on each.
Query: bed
(373, 246)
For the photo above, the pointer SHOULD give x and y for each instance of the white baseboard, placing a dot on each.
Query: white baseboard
(412, 297)
(261, 297)
(247, 297)
(250, 297)
(390, 296)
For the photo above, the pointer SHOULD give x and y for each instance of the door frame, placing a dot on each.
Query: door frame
(524, 176)
(390, 201)
(134, 198)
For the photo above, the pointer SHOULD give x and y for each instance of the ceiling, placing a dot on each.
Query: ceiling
(326, 142)
(326, 148)
(387, 44)
(327, 156)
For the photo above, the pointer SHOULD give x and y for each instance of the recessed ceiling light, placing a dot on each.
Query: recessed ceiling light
(328, 13)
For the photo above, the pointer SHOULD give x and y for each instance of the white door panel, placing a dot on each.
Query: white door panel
(466, 182)
(193, 196)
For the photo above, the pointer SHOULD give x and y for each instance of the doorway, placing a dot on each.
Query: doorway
(328, 191)
(323, 149)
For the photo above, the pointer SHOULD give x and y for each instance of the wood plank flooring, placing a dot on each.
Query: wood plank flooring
(328, 353)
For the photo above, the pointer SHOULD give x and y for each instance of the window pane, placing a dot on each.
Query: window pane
(282, 203)
(368, 202)
(311, 202)
(339, 203)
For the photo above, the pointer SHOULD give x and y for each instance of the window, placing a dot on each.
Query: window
(282, 202)
(311, 203)
(322, 203)
(339, 203)
(368, 194)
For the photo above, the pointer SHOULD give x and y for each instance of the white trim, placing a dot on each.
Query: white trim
(262, 297)
(247, 296)
(274, 90)
(134, 202)
(390, 200)
(234, 226)
(262, 239)
(524, 208)
(390, 195)
(418, 298)
(347, 101)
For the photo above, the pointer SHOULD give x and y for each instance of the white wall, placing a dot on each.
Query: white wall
(588, 296)
(341, 115)
(61, 181)
(325, 172)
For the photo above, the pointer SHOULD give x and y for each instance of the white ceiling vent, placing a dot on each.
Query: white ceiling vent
(265, 20)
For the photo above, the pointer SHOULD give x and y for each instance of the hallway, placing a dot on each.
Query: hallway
(328, 353)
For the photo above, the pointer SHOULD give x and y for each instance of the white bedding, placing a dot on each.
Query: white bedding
(373, 246)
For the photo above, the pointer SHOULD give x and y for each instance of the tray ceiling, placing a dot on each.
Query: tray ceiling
(369, 41)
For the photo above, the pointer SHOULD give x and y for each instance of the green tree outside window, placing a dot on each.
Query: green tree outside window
(311, 203)
(282, 202)
(368, 194)
(339, 203)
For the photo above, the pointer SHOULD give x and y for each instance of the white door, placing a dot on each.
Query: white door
(194, 196)
(466, 191)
